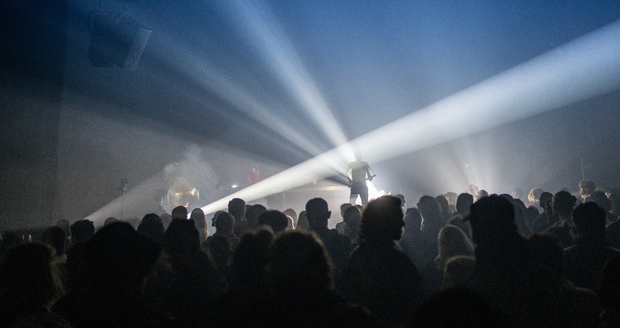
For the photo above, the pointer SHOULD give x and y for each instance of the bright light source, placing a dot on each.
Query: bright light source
(584, 68)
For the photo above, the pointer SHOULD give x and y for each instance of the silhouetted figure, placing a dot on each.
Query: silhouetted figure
(82, 231)
(179, 212)
(302, 222)
(463, 203)
(55, 237)
(380, 276)
(159, 279)
(452, 241)
(116, 259)
(432, 221)
(583, 262)
(197, 282)
(252, 214)
(224, 224)
(28, 286)
(562, 203)
(200, 221)
(445, 208)
(545, 219)
(275, 219)
(220, 251)
(236, 208)
(458, 270)
(245, 304)
(352, 218)
(340, 225)
(413, 243)
(291, 212)
(358, 173)
(301, 282)
(152, 227)
(522, 291)
(586, 187)
(338, 246)
(580, 304)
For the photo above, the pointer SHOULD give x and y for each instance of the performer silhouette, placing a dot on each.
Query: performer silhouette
(357, 174)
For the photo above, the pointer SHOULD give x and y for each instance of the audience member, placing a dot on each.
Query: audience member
(275, 219)
(338, 246)
(380, 276)
(523, 292)
(583, 262)
(300, 278)
(28, 287)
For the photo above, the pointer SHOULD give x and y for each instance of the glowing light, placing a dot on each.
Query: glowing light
(271, 42)
(584, 68)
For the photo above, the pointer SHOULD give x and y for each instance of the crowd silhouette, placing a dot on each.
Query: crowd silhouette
(473, 259)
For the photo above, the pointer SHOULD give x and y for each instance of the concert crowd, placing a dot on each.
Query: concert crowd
(475, 259)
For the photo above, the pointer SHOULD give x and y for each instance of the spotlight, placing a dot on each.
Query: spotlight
(116, 40)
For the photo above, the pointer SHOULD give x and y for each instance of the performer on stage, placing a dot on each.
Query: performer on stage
(254, 176)
(357, 174)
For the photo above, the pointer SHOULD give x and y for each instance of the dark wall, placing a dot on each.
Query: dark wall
(33, 38)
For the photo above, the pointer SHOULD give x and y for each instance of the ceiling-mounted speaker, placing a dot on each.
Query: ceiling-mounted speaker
(116, 40)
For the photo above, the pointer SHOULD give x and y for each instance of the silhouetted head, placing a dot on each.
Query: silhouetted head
(352, 218)
(200, 221)
(236, 207)
(430, 209)
(586, 187)
(563, 203)
(82, 231)
(181, 238)
(224, 223)
(54, 236)
(275, 219)
(452, 241)
(589, 220)
(110, 220)
(291, 212)
(413, 220)
(251, 256)
(152, 227)
(118, 257)
(299, 264)
(458, 270)
(358, 155)
(382, 221)
(252, 214)
(317, 212)
(601, 199)
(491, 217)
(534, 195)
(179, 212)
(463, 203)
(545, 200)
(27, 279)
(443, 203)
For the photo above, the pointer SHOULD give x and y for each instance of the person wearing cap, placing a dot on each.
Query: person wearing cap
(523, 292)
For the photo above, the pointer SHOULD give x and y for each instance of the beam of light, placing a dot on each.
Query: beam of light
(200, 72)
(583, 68)
(271, 42)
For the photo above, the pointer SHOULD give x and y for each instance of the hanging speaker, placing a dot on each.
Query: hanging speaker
(116, 40)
